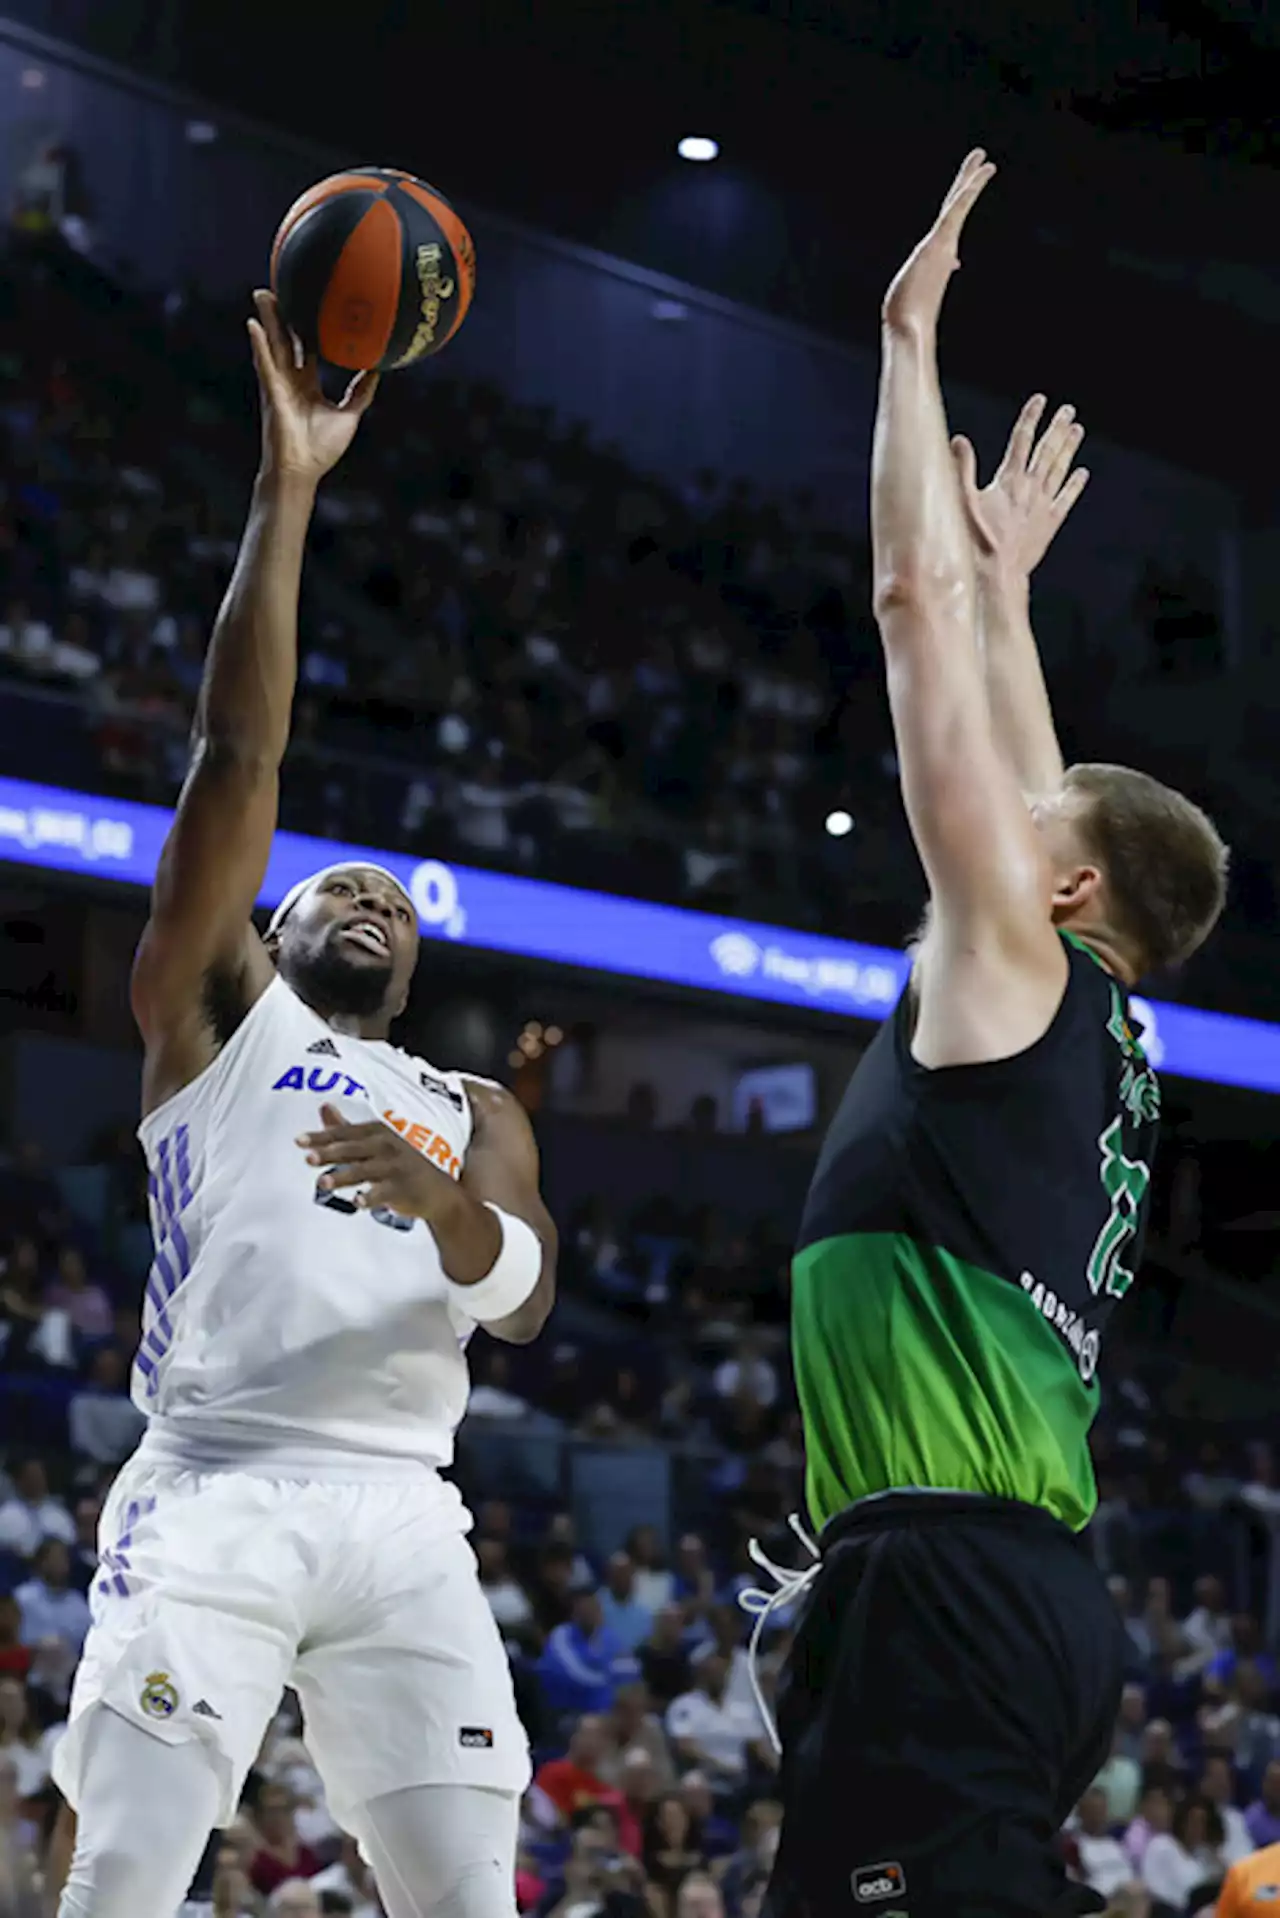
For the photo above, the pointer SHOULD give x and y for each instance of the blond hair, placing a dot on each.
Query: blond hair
(1163, 861)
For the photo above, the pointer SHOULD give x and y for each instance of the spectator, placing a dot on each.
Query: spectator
(633, 1726)
(747, 1374)
(1131, 1722)
(708, 1730)
(103, 1421)
(491, 1395)
(1188, 1858)
(717, 1832)
(295, 1898)
(695, 1586)
(757, 1849)
(1154, 1819)
(565, 1785)
(51, 1607)
(508, 1600)
(19, 1877)
(231, 1893)
(73, 1292)
(281, 1857)
(1104, 1865)
(1263, 1815)
(23, 1746)
(699, 1897)
(84, 1553)
(1252, 1886)
(1256, 1728)
(640, 1786)
(628, 1619)
(671, 1847)
(1218, 1785)
(1120, 1782)
(1246, 1643)
(15, 1657)
(664, 1657)
(552, 1591)
(31, 1514)
(655, 1582)
(582, 1662)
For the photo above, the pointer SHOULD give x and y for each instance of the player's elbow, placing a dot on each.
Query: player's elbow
(913, 595)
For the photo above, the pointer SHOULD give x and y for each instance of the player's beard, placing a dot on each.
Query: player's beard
(332, 982)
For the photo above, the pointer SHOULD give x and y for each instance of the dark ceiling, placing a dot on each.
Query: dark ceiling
(1127, 258)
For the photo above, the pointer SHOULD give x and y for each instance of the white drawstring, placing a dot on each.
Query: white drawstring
(789, 1584)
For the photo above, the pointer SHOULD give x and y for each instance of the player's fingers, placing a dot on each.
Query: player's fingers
(966, 463)
(359, 393)
(962, 200)
(1071, 493)
(339, 1151)
(1049, 450)
(383, 1193)
(261, 350)
(1057, 471)
(343, 1175)
(273, 326)
(1017, 454)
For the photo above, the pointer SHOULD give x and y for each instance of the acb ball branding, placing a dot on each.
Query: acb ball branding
(373, 269)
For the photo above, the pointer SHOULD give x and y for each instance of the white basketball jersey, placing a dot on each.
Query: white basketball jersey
(282, 1328)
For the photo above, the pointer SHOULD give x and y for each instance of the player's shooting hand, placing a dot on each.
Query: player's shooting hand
(915, 295)
(303, 433)
(392, 1172)
(1015, 517)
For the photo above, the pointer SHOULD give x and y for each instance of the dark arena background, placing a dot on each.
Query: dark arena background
(587, 654)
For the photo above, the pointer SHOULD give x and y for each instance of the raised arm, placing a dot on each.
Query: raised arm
(201, 965)
(991, 967)
(1013, 521)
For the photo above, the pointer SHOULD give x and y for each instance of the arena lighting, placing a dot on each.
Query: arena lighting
(695, 146)
(48, 829)
(839, 823)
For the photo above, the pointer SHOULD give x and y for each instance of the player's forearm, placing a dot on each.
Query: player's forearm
(251, 670)
(470, 1238)
(921, 547)
(1022, 718)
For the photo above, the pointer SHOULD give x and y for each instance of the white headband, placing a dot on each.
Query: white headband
(295, 893)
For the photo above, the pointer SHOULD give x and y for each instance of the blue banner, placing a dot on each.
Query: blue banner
(59, 831)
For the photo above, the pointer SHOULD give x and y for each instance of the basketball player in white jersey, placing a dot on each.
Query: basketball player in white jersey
(333, 1218)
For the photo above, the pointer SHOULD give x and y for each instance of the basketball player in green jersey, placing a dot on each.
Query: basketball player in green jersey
(977, 1210)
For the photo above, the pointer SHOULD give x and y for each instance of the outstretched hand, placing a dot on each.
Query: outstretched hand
(303, 433)
(1015, 517)
(916, 293)
(391, 1171)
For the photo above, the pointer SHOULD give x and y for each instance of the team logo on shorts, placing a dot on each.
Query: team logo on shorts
(159, 1696)
(475, 1738)
(874, 1883)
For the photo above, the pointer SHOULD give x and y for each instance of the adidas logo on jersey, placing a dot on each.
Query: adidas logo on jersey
(326, 1046)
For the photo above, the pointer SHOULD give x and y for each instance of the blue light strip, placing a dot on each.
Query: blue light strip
(57, 831)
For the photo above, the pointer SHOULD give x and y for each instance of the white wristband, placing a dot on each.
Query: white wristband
(511, 1278)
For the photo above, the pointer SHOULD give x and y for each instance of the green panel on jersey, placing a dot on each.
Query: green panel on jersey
(917, 1369)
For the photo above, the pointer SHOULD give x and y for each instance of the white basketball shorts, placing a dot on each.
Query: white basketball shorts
(217, 1589)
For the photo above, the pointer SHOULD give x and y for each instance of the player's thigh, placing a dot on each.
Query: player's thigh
(412, 1686)
(193, 1628)
(443, 1851)
(927, 1721)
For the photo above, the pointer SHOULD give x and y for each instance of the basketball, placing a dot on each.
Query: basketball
(373, 269)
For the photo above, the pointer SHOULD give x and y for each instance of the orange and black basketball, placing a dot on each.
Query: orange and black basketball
(373, 269)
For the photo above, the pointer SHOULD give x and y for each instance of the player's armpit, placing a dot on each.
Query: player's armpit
(502, 1168)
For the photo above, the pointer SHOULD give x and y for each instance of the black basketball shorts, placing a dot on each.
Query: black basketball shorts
(952, 1691)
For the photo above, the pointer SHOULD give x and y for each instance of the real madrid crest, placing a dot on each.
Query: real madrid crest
(159, 1696)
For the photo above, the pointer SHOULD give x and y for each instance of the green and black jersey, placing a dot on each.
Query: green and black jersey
(966, 1235)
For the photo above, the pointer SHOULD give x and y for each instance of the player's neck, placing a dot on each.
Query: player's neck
(1107, 951)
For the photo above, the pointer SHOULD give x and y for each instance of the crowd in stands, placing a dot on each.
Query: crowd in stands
(515, 650)
(653, 1794)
